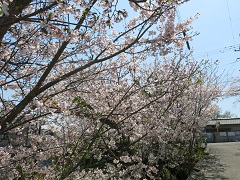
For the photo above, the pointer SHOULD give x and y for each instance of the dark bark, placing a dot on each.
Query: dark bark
(15, 8)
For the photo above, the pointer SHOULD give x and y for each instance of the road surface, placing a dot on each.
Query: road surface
(222, 163)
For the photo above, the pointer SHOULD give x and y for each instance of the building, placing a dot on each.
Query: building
(22, 138)
(223, 130)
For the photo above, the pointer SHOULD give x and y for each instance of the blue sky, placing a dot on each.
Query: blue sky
(219, 28)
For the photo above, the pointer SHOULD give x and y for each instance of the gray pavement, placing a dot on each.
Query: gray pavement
(222, 163)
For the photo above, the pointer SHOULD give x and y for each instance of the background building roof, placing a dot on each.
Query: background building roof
(224, 121)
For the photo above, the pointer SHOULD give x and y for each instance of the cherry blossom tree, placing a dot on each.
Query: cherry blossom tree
(233, 88)
(119, 96)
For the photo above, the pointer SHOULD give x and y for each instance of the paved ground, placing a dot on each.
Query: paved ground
(222, 163)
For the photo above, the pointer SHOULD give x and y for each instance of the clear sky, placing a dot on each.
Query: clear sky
(219, 39)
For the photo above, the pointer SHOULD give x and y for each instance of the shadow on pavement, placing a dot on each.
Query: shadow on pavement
(209, 168)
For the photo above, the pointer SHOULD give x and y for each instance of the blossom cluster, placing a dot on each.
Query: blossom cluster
(95, 90)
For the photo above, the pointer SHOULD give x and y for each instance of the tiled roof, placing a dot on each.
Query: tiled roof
(224, 121)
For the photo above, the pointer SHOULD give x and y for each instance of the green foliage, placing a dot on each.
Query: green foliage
(199, 81)
(50, 14)
(76, 100)
(166, 174)
(145, 93)
(83, 103)
(21, 172)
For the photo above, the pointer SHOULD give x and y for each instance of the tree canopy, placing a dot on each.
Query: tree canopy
(96, 89)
